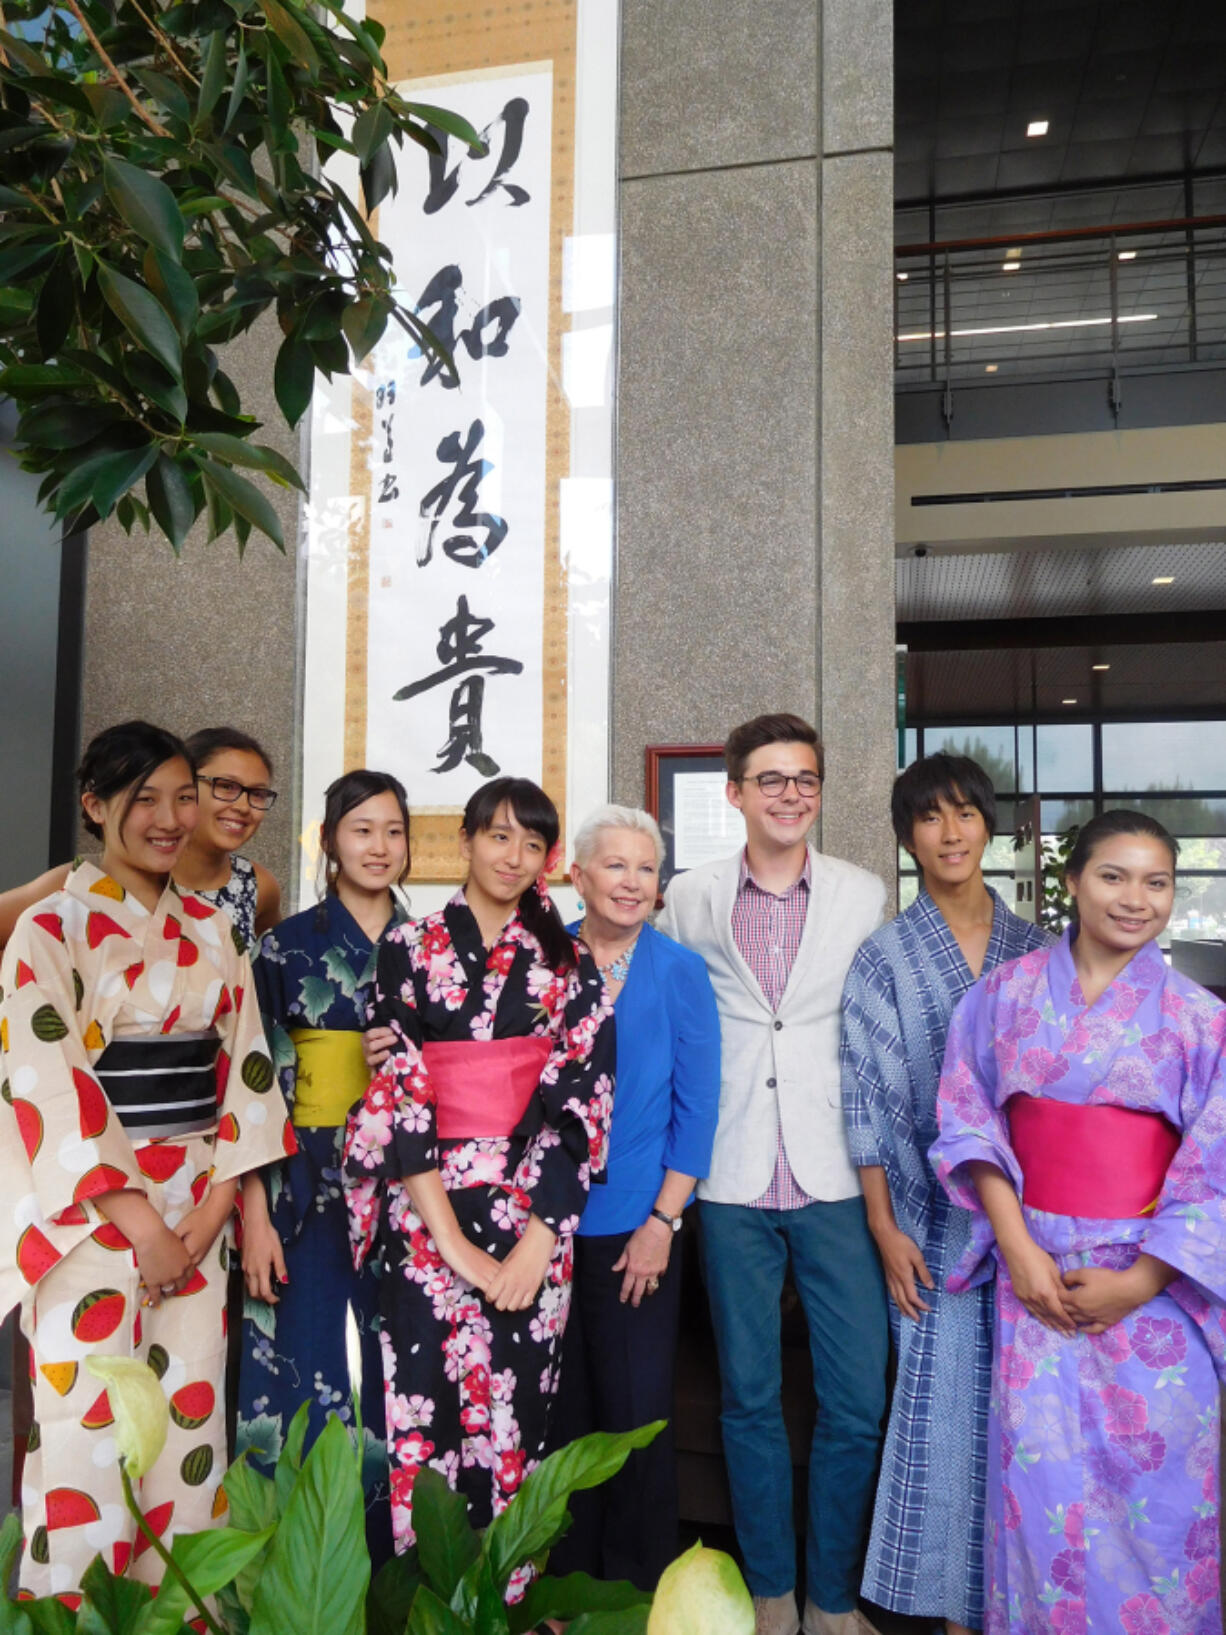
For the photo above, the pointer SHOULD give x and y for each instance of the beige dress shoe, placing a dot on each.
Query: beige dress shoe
(775, 1615)
(817, 1622)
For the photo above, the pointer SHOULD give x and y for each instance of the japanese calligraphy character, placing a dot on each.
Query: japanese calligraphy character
(462, 483)
(460, 654)
(507, 132)
(486, 337)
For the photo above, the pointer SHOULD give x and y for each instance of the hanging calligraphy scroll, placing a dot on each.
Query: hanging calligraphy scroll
(459, 530)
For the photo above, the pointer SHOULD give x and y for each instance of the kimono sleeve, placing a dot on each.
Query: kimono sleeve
(268, 969)
(870, 1058)
(971, 1125)
(61, 1144)
(393, 1131)
(878, 1096)
(696, 1065)
(1188, 1229)
(577, 1090)
(253, 1127)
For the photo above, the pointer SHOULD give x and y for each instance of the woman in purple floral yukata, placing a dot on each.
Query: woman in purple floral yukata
(1083, 1120)
(467, 1163)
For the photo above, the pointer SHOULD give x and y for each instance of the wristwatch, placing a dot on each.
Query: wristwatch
(673, 1222)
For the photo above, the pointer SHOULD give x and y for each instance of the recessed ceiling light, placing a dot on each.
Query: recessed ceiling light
(989, 368)
(1011, 266)
(902, 277)
(1068, 700)
(1100, 667)
(1128, 255)
(1165, 579)
(1037, 127)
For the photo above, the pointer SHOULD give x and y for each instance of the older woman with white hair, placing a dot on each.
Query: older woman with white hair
(620, 1347)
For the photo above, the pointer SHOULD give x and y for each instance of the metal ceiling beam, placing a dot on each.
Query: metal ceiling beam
(1118, 630)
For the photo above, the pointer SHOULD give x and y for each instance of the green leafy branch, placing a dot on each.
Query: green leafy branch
(162, 186)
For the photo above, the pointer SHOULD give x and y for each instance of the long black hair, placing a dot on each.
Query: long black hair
(1121, 820)
(350, 790)
(122, 758)
(532, 809)
(210, 741)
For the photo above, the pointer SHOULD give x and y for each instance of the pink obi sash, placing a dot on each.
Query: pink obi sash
(483, 1086)
(1104, 1163)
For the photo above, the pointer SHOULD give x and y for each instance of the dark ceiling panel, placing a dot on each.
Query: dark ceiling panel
(1131, 88)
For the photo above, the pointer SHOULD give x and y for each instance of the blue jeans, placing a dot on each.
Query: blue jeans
(837, 1274)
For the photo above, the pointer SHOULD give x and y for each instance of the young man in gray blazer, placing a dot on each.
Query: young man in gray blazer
(778, 925)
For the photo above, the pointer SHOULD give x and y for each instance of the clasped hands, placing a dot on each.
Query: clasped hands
(1085, 1299)
(167, 1257)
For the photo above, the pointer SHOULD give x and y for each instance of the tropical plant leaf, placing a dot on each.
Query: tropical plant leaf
(565, 1598)
(174, 288)
(244, 498)
(174, 509)
(145, 203)
(630, 1621)
(447, 1546)
(294, 378)
(111, 1605)
(256, 456)
(391, 1595)
(143, 316)
(317, 1572)
(289, 1460)
(208, 1560)
(430, 1616)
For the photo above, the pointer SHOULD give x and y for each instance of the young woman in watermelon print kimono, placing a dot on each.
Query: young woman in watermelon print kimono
(137, 1090)
(1082, 1118)
(468, 1161)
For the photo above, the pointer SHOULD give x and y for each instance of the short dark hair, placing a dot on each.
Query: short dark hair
(122, 758)
(781, 728)
(342, 795)
(933, 778)
(533, 810)
(210, 741)
(1121, 820)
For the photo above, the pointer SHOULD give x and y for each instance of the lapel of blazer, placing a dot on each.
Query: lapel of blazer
(816, 917)
(723, 897)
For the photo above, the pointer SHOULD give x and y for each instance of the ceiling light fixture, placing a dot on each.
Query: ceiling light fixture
(1068, 700)
(1011, 266)
(1128, 255)
(1037, 127)
(902, 277)
(1165, 579)
(989, 368)
(1020, 329)
(1100, 667)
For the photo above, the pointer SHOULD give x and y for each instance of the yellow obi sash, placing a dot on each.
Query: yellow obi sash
(332, 1075)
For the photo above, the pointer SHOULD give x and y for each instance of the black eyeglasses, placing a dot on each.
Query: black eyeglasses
(262, 798)
(774, 783)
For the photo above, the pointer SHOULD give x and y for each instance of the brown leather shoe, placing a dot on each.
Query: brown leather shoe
(775, 1615)
(817, 1622)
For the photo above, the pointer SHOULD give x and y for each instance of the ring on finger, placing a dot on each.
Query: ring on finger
(653, 1283)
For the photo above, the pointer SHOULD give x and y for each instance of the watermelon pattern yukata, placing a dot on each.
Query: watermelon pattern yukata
(85, 967)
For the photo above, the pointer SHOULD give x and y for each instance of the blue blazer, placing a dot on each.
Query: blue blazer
(666, 1104)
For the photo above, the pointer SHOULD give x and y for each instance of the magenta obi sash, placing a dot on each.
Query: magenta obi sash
(483, 1086)
(1104, 1163)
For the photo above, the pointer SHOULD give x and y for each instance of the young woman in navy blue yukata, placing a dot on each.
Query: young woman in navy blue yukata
(305, 1298)
(468, 1162)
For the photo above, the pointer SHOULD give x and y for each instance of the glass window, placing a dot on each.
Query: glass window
(1150, 755)
(1059, 815)
(1025, 760)
(1065, 757)
(992, 747)
(910, 737)
(1200, 908)
(1181, 814)
(908, 890)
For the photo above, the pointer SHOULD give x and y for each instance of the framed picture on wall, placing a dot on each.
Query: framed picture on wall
(687, 795)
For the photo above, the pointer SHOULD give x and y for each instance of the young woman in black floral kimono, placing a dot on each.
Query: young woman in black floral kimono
(467, 1163)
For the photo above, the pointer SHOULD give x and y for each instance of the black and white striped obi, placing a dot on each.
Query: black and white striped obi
(161, 1086)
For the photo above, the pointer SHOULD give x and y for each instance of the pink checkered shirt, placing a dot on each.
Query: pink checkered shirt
(767, 930)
